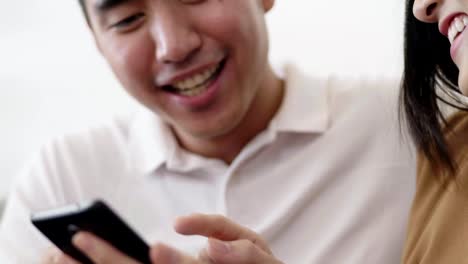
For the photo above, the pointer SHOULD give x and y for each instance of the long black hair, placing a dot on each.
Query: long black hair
(429, 73)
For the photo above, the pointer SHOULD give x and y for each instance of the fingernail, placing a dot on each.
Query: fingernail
(219, 246)
(81, 241)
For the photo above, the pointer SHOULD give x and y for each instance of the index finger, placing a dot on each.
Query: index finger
(219, 227)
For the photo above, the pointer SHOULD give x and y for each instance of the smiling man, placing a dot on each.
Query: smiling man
(286, 168)
(200, 65)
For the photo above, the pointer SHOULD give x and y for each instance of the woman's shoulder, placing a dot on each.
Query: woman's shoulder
(457, 122)
(456, 134)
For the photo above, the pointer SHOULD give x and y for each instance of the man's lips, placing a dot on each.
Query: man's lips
(197, 84)
(199, 98)
(170, 79)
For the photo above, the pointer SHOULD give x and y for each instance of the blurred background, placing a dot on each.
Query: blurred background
(52, 79)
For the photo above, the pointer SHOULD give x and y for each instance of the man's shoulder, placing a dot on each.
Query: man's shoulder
(344, 85)
(99, 135)
(74, 163)
(373, 97)
(364, 87)
(93, 143)
(358, 93)
(369, 100)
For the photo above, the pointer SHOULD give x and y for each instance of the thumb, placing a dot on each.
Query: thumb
(238, 252)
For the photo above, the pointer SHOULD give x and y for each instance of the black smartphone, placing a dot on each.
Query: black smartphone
(60, 224)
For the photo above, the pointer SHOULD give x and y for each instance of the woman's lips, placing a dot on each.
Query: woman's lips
(456, 45)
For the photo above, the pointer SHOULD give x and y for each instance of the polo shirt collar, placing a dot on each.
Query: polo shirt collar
(304, 109)
(151, 142)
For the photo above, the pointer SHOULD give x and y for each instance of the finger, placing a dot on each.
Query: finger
(55, 256)
(65, 259)
(219, 227)
(204, 257)
(239, 252)
(50, 256)
(99, 251)
(163, 254)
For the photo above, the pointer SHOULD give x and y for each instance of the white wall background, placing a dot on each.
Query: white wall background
(52, 79)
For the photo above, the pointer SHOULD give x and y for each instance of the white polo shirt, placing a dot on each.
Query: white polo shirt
(329, 181)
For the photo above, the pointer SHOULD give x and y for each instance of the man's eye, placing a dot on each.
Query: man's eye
(128, 21)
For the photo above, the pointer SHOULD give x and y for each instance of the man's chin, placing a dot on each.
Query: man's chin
(208, 133)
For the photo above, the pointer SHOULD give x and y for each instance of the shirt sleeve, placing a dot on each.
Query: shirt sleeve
(36, 188)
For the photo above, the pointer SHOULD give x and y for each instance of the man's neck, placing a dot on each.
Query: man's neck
(263, 108)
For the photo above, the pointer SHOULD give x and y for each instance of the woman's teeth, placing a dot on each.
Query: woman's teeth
(197, 83)
(456, 27)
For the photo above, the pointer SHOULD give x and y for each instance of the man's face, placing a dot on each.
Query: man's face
(196, 63)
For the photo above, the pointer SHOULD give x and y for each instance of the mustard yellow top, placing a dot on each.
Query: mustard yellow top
(438, 224)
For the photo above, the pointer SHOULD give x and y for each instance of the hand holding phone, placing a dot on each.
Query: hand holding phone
(61, 224)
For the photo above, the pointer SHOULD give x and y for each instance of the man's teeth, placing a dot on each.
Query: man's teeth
(193, 82)
(456, 27)
(194, 92)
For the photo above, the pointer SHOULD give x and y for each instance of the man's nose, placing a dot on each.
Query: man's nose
(175, 39)
(427, 10)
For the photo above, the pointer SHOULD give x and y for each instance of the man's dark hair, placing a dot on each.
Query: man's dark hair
(428, 72)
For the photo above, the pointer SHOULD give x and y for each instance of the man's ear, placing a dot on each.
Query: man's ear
(268, 5)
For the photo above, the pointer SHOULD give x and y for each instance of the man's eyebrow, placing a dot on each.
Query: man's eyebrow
(103, 6)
